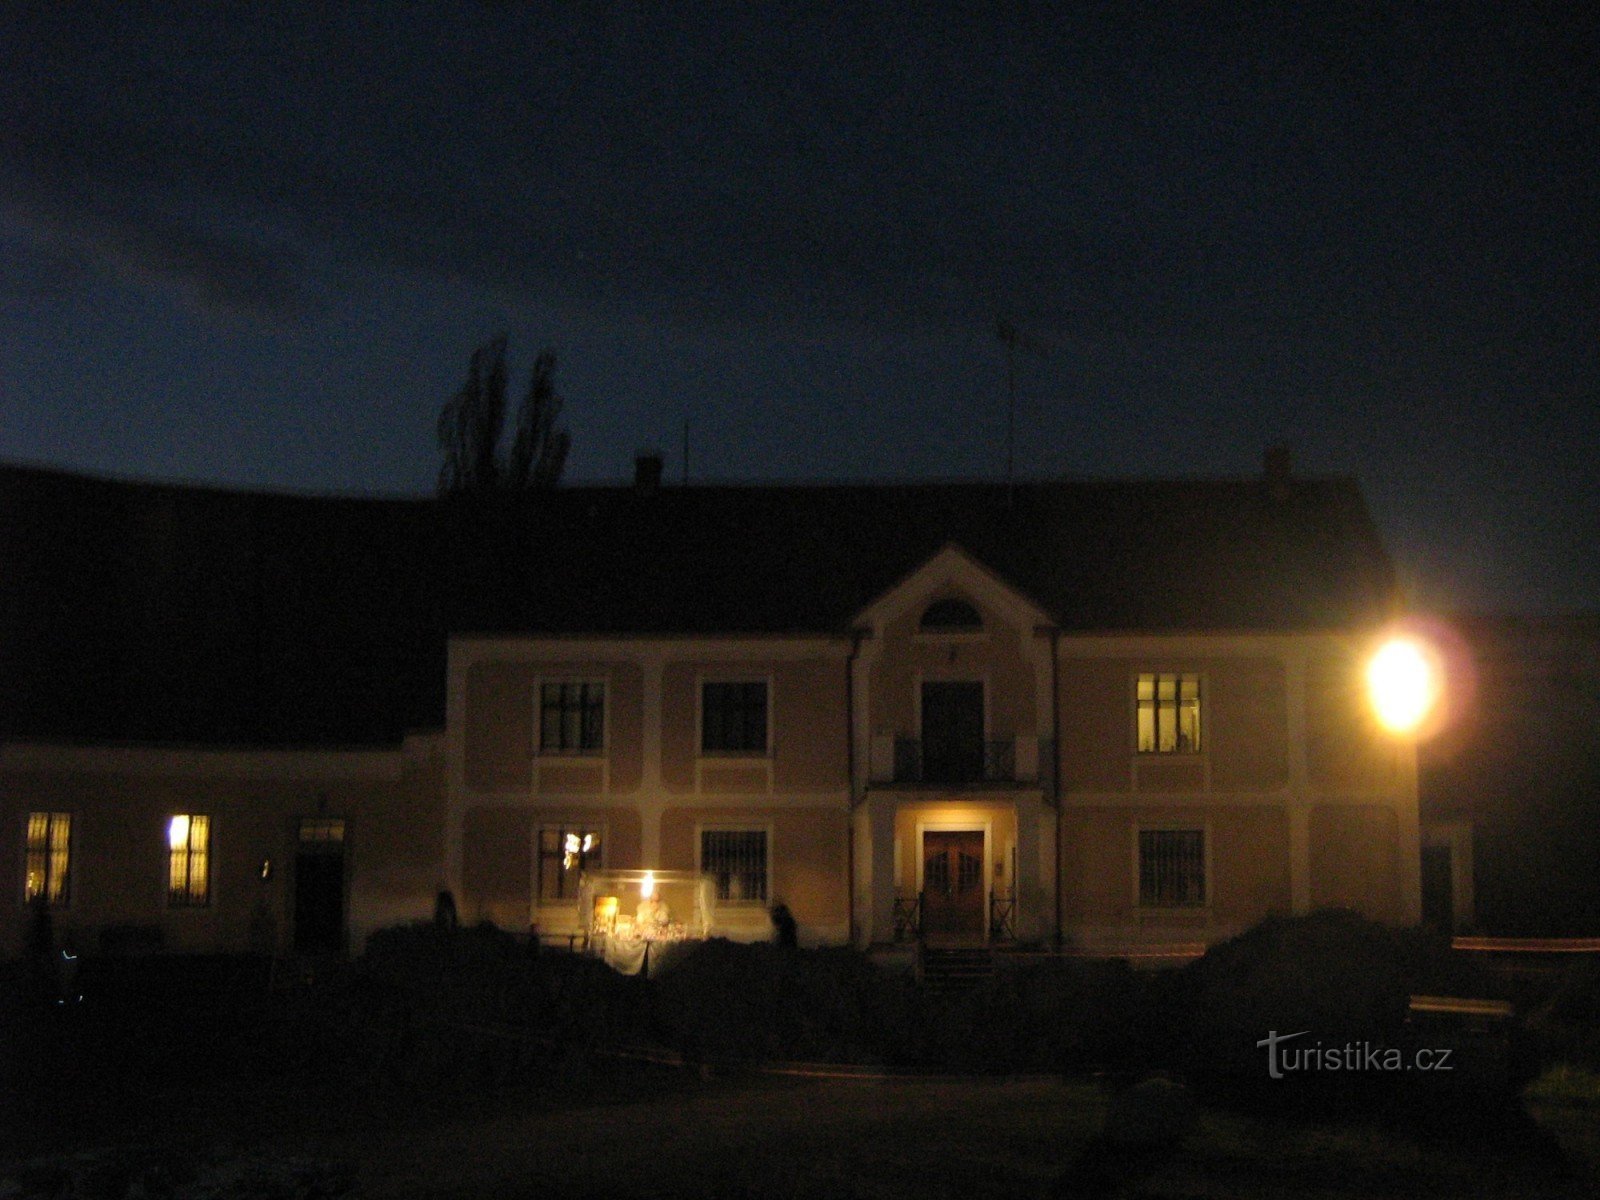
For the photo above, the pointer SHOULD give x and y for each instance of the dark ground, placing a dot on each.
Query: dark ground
(196, 1080)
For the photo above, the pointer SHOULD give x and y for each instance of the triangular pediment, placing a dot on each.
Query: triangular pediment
(952, 572)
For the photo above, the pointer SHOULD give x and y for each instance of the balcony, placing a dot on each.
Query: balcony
(917, 760)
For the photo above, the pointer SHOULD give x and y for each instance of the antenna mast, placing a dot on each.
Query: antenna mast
(1014, 339)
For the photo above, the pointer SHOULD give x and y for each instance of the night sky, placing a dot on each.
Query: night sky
(255, 244)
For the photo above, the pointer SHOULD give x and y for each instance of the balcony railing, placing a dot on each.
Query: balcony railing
(908, 918)
(919, 761)
(1002, 917)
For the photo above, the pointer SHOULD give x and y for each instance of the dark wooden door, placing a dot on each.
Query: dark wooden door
(953, 892)
(952, 731)
(319, 888)
(1438, 889)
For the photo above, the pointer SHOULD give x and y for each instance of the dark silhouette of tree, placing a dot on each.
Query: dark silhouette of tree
(471, 426)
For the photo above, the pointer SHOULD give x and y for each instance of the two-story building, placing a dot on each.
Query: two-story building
(1110, 713)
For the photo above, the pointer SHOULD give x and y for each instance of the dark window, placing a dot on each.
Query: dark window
(1172, 868)
(572, 717)
(1169, 714)
(951, 616)
(952, 731)
(49, 866)
(733, 717)
(565, 853)
(737, 859)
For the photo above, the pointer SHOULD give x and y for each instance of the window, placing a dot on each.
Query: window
(565, 853)
(1169, 714)
(733, 718)
(1172, 868)
(572, 717)
(737, 858)
(48, 872)
(189, 861)
(951, 616)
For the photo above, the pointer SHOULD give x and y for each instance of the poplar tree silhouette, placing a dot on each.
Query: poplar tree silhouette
(472, 425)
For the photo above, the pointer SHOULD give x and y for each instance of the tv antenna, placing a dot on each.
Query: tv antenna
(1014, 340)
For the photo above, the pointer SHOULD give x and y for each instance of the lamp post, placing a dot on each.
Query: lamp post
(1405, 686)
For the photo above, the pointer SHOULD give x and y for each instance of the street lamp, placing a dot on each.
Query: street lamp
(1403, 682)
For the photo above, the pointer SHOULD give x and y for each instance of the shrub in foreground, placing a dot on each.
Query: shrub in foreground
(1334, 980)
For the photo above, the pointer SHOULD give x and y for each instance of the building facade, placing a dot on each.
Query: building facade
(1118, 716)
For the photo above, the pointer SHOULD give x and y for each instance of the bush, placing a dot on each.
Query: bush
(1566, 1027)
(727, 1001)
(1343, 980)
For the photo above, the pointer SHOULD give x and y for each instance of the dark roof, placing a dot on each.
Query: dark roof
(154, 612)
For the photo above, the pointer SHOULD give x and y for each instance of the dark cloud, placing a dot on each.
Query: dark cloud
(1081, 169)
(1369, 230)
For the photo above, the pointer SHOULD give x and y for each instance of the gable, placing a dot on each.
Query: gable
(952, 575)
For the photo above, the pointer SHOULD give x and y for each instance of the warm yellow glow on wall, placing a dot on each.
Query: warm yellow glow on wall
(1403, 682)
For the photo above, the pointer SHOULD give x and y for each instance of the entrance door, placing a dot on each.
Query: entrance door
(319, 887)
(953, 897)
(1438, 888)
(952, 731)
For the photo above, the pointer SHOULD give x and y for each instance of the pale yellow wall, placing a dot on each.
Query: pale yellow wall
(1096, 716)
(498, 854)
(119, 842)
(500, 737)
(1345, 748)
(1249, 859)
(1244, 726)
(807, 738)
(1354, 860)
(808, 857)
(810, 740)
(497, 742)
(1245, 723)
(998, 656)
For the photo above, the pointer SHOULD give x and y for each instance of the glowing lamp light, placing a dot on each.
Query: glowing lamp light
(1404, 685)
(647, 887)
(178, 832)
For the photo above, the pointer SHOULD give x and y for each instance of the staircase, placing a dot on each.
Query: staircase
(952, 970)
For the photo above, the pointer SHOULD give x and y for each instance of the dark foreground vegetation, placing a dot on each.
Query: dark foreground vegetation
(201, 1063)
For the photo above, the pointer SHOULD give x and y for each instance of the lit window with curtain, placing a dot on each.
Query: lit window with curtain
(1168, 714)
(189, 861)
(565, 853)
(48, 873)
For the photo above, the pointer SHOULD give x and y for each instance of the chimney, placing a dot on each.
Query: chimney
(647, 472)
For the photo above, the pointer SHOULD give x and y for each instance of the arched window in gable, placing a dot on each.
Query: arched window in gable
(951, 615)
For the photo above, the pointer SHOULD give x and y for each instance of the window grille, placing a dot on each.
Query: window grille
(737, 859)
(571, 717)
(733, 717)
(49, 858)
(1169, 714)
(1172, 868)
